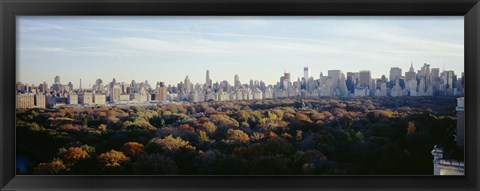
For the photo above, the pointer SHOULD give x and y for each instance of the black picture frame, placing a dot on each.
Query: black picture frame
(9, 9)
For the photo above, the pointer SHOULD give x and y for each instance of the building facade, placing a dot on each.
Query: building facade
(447, 165)
(25, 101)
(85, 98)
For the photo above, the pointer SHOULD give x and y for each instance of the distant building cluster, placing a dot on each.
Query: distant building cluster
(424, 82)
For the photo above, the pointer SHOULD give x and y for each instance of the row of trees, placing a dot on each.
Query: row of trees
(312, 136)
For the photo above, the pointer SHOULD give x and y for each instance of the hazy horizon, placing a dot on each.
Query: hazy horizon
(168, 48)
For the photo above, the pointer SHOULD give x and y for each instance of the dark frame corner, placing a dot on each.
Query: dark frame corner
(11, 8)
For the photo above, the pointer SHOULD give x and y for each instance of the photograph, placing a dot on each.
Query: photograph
(240, 95)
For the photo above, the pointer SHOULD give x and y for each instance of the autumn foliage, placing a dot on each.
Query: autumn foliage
(340, 136)
(132, 148)
(54, 167)
(112, 158)
(75, 154)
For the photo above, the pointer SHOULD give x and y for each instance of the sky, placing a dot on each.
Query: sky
(169, 48)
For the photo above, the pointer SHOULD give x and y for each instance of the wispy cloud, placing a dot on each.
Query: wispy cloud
(40, 27)
(235, 45)
(78, 52)
(42, 49)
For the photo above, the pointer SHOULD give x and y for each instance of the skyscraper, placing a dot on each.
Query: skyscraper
(188, 85)
(448, 78)
(343, 85)
(410, 75)
(80, 87)
(335, 75)
(115, 93)
(306, 73)
(208, 81)
(395, 72)
(57, 86)
(43, 87)
(161, 92)
(236, 82)
(434, 75)
(425, 72)
(364, 78)
(285, 80)
(70, 86)
(112, 84)
(57, 79)
(287, 76)
(352, 79)
(98, 85)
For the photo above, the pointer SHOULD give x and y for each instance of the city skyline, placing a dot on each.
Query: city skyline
(170, 48)
(88, 85)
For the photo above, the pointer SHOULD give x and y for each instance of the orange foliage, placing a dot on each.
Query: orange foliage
(172, 144)
(102, 127)
(102, 114)
(186, 128)
(202, 120)
(69, 128)
(209, 127)
(271, 134)
(411, 128)
(112, 158)
(243, 115)
(132, 148)
(237, 135)
(211, 111)
(54, 167)
(318, 116)
(302, 117)
(75, 154)
(224, 120)
(287, 136)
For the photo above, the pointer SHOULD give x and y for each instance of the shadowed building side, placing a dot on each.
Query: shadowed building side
(454, 163)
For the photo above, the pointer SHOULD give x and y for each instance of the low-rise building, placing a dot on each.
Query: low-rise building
(139, 98)
(85, 98)
(72, 99)
(99, 99)
(361, 91)
(267, 94)
(257, 94)
(124, 97)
